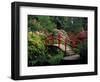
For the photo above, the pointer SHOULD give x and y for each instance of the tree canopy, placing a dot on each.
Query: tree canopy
(48, 23)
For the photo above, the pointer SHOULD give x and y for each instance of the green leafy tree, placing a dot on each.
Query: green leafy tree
(40, 23)
(73, 24)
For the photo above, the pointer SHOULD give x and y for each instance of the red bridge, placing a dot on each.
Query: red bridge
(63, 42)
(50, 40)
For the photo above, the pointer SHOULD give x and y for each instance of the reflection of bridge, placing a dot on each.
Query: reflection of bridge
(62, 43)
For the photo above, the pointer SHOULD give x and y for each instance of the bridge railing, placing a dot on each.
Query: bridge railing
(59, 38)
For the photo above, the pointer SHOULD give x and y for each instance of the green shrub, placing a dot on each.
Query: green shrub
(39, 54)
(55, 55)
(81, 48)
(36, 49)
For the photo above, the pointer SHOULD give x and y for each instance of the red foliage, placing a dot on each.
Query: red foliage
(73, 39)
(76, 38)
(82, 35)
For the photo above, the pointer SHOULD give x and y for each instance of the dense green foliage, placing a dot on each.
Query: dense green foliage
(81, 46)
(48, 23)
(41, 23)
(73, 24)
(36, 49)
(39, 54)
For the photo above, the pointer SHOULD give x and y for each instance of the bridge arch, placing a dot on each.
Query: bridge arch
(59, 38)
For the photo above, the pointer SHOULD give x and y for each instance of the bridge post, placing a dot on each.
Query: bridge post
(59, 40)
(65, 45)
(47, 41)
(52, 39)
